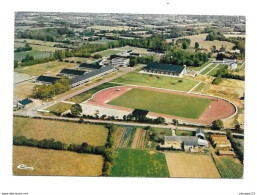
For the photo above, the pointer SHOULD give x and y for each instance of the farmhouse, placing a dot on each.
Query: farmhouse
(186, 142)
(165, 69)
(231, 63)
(120, 61)
(47, 79)
(79, 80)
(71, 72)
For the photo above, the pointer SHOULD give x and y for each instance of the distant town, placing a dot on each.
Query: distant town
(137, 95)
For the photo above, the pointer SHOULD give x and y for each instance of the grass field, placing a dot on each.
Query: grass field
(184, 133)
(191, 165)
(229, 167)
(66, 132)
(208, 69)
(215, 70)
(53, 162)
(110, 28)
(139, 163)
(135, 78)
(108, 52)
(206, 44)
(49, 68)
(23, 90)
(59, 108)
(88, 94)
(37, 54)
(33, 41)
(164, 103)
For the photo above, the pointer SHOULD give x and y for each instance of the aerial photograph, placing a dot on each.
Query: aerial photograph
(128, 95)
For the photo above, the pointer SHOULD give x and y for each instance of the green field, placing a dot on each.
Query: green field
(184, 133)
(164, 103)
(139, 163)
(208, 69)
(37, 54)
(59, 108)
(135, 78)
(88, 94)
(229, 167)
(108, 52)
(215, 70)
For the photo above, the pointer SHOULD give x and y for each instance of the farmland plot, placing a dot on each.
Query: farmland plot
(140, 139)
(128, 137)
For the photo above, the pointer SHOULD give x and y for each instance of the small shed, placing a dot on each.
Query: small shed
(24, 102)
(139, 112)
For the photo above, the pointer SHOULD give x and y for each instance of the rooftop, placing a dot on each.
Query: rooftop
(177, 69)
(72, 71)
(91, 74)
(188, 140)
(139, 112)
(25, 102)
(47, 79)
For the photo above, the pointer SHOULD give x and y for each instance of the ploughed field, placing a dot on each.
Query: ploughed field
(164, 103)
(53, 162)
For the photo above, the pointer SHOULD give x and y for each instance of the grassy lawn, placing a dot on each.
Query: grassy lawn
(215, 70)
(229, 167)
(37, 54)
(108, 52)
(23, 90)
(66, 132)
(88, 94)
(184, 133)
(208, 69)
(135, 78)
(59, 108)
(139, 163)
(200, 67)
(164, 103)
(53, 162)
(49, 68)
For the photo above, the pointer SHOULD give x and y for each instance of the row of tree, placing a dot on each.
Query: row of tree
(27, 47)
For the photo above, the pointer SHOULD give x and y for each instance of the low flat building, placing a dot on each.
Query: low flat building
(47, 79)
(92, 66)
(231, 63)
(165, 69)
(91, 75)
(22, 103)
(71, 72)
(121, 62)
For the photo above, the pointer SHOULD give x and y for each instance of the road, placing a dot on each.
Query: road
(198, 72)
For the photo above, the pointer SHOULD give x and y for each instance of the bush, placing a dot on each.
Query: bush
(217, 125)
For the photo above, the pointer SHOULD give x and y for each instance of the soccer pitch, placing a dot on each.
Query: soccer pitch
(164, 103)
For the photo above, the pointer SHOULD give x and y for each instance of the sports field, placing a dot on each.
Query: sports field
(108, 52)
(191, 165)
(66, 132)
(164, 103)
(135, 78)
(139, 163)
(53, 162)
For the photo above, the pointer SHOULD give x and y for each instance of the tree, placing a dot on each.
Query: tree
(238, 127)
(196, 45)
(217, 125)
(76, 110)
(160, 120)
(175, 121)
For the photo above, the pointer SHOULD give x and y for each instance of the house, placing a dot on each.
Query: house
(200, 134)
(165, 69)
(47, 79)
(71, 72)
(79, 80)
(120, 61)
(231, 63)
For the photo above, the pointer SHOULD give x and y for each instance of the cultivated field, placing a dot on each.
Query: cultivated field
(139, 163)
(155, 101)
(23, 90)
(140, 139)
(229, 167)
(33, 41)
(191, 165)
(49, 68)
(206, 44)
(135, 78)
(66, 132)
(36, 54)
(53, 162)
(110, 28)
